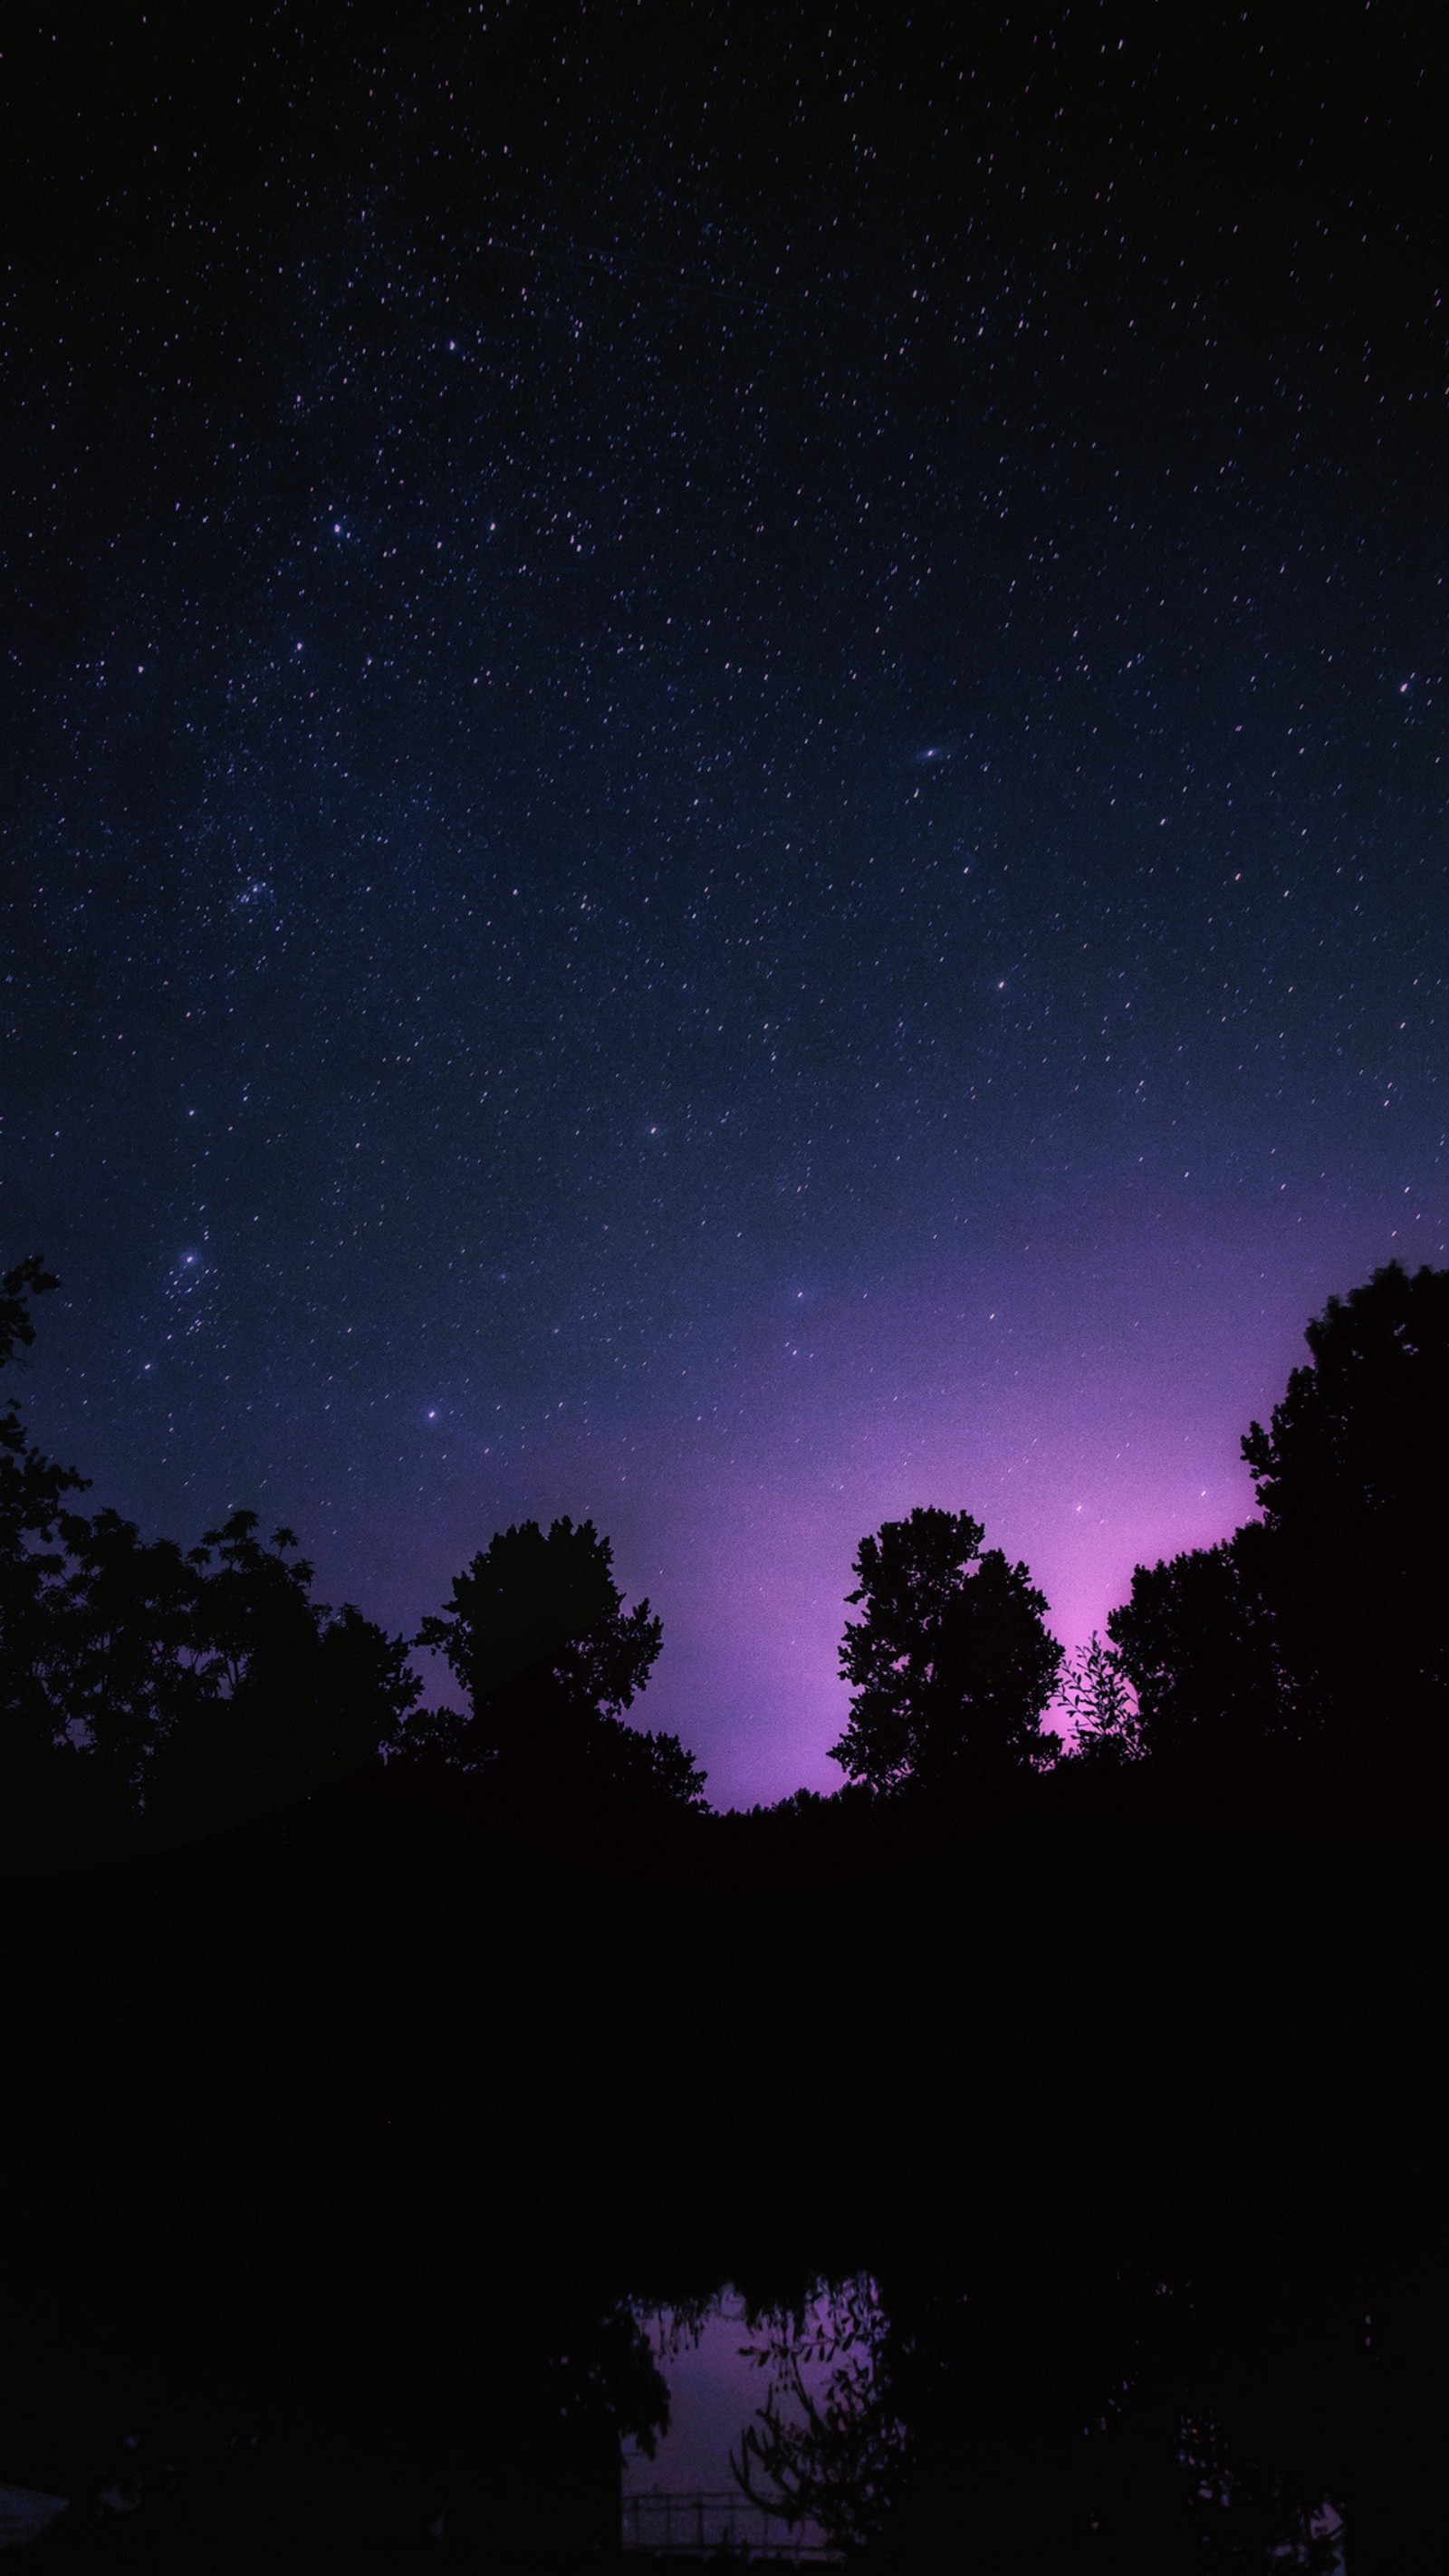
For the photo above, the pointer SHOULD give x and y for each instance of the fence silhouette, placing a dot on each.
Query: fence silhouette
(697, 2523)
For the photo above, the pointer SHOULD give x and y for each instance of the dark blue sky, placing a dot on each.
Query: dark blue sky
(723, 788)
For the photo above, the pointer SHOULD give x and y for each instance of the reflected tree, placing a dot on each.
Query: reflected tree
(825, 2447)
(1055, 2410)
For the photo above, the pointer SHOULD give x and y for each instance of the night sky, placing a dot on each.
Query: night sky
(723, 779)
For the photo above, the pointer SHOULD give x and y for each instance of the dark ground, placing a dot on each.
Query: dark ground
(334, 2146)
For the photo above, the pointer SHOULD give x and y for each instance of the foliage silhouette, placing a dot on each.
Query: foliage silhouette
(1130, 2173)
(1351, 1479)
(288, 1697)
(826, 2454)
(1317, 1637)
(951, 1662)
(1197, 1640)
(536, 1632)
(142, 1685)
(1099, 1704)
(1059, 2403)
(128, 1670)
(143, 1689)
(42, 1792)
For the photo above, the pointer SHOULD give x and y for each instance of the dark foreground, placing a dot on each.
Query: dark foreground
(339, 2151)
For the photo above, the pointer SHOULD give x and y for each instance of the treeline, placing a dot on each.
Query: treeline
(150, 1693)
(1298, 1671)
(1303, 1659)
(1310, 1650)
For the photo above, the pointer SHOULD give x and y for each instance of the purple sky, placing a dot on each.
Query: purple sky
(1085, 1397)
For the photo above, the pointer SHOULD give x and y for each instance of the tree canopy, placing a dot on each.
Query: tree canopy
(536, 1632)
(951, 1663)
(148, 1687)
(1197, 1640)
(143, 1687)
(1353, 1485)
(1323, 1625)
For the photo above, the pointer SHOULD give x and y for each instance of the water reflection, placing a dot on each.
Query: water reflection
(825, 2446)
(1118, 2273)
(1103, 2424)
(768, 2405)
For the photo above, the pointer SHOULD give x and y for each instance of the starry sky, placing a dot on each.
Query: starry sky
(723, 784)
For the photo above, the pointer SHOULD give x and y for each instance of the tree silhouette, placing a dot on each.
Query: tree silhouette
(127, 1666)
(283, 1696)
(1352, 1482)
(1197, 1640)
(37, 1760)
(140, 1684)
(951, 1662)
(536, 1632)
(1322, 1626)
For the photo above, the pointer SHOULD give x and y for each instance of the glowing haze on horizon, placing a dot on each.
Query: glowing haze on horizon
(1090, 1419)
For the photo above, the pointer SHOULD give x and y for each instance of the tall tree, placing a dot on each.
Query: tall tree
(951, 1663)
(536, 1632)
(1197, 1640)
(1352, 1480)
(38, 1780)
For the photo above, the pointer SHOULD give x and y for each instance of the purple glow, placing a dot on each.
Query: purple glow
(1085, 1397)
(717, 2384)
